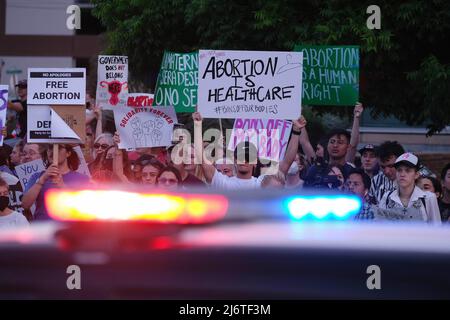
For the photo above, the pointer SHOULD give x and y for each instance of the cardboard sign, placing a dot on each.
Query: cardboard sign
(250, 84)
(145, 127)
(139, 100)
(330, 75)
(45, 125)
(69, 122)
(3, 107)
(269, 136)
(396, 214)
(178, 81)
(112, 81)
(65, 86)
(26, 170)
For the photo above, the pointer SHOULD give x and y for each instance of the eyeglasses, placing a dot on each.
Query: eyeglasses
(104, 146)
(167, 181)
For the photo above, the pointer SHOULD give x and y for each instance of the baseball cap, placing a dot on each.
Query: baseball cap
(22, 84)
(246, 151)
(367, 147)
(407, 159)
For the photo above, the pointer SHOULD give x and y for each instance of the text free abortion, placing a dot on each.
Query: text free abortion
(51, 84)
(247, 69)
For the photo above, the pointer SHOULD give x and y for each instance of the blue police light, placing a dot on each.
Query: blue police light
(338, 207)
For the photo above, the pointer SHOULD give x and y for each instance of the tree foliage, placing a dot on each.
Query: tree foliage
(404, 66)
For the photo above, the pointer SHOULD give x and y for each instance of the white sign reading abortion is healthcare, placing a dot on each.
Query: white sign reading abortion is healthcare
(250, 84)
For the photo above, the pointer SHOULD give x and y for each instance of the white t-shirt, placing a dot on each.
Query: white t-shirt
(234, 183)
(14, 219)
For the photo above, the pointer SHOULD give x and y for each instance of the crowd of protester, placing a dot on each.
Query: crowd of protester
(387, 178)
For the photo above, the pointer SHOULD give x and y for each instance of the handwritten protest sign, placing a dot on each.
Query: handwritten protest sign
(3, 106)
(48, 86)
(396, 214)
(145, 127)
(26, 170)
(112, 81)
(250, 84)
(45, 125)
(330, 75)
(177, 81)
(138, 100)
(269, 136)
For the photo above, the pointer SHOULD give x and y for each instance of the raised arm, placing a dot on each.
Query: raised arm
(292, 147)
(207, 167)
(99, 116)
(354, 140)
(308, 149)
(118, 160)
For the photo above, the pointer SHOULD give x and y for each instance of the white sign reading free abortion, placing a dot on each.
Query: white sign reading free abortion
(250, 84)
(56, 86)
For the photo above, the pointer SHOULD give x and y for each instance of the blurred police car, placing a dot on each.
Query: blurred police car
(205, 245)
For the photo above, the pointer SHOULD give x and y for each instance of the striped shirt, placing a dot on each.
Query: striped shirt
(380, 186)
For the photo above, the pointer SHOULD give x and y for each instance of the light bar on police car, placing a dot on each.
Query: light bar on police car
(114, 205)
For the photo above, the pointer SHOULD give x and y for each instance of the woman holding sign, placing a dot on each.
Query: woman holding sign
(62, 174)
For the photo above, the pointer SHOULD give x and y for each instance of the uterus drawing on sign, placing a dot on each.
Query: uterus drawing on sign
(153, 131)
(115, 87)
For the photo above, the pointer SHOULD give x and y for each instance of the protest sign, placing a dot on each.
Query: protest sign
(330, 75)
(177, 81)
(112, 81)
(396, 214)
(60, 86)
(269, 136)
(3, 107)
(145, 127)
(45, 125)
(250, 84)
(69, 122)
(26, 170)
(138, 100)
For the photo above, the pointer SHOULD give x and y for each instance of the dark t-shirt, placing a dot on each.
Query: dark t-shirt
(314, 172)
(444, 208)
(192, 180)
(22, 119)
(71, 179)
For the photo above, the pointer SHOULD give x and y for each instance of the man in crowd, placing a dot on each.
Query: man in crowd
(369, 161)
(384, 181)
(337, 147)
(20, 106)
(358, 182)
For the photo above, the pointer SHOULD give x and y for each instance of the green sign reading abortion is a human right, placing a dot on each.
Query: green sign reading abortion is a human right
(330, 75)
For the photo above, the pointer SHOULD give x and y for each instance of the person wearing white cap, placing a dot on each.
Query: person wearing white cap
(408, 201)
